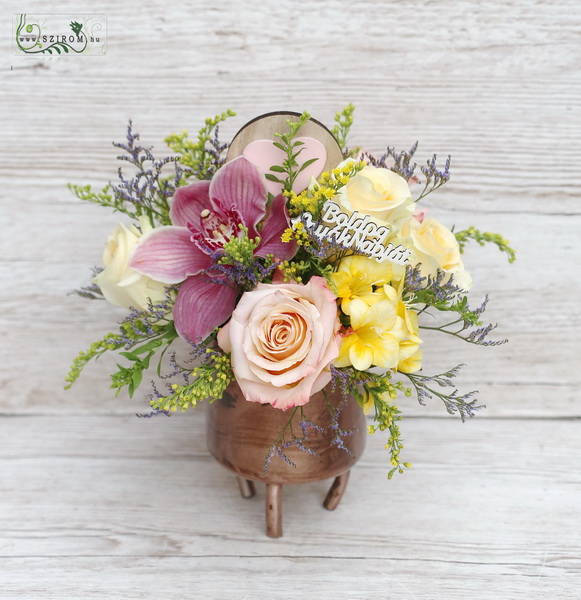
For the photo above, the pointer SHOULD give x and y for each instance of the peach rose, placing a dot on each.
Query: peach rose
(282, 338)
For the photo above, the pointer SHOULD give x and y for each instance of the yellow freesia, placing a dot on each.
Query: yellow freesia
(410, 354)
(377, 331)
(357, 277)
(410, 357)
(368, 403)
(409, 350)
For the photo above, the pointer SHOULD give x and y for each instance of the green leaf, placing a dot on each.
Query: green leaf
(343, 120)
(277, 169)
(485, 237)
(294, 156)
(136, 378)
(151, 345)
(306, 164)
(272, 177)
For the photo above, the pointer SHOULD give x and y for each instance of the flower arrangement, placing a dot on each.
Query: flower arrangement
(282, 275)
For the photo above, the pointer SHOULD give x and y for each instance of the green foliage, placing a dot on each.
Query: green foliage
(152, 336)
(240, 249)
(209, 382)
(313, 199)
(343, 123)
(448, 303)
(140, 358)
(483, 238)
(111, 341)
(239, 264)
(103, 198)
(307, 267)
(289, 169)
(387, 416)
(200, 155)
(379, 390)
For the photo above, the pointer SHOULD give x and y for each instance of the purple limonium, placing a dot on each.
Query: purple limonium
(205, 215)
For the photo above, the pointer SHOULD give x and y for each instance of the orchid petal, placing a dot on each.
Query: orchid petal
(274, 226)
(188, 202)
(201, 305)
(168, 255)
(239, 183)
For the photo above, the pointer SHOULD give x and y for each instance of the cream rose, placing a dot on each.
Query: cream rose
(282, 338)
(120, 284)
(436, 247)
(379, 193)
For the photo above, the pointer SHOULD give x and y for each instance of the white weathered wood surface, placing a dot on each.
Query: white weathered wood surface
(97, 504)
(114, 507)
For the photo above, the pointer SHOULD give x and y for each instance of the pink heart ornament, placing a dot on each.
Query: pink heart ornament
(264, 154)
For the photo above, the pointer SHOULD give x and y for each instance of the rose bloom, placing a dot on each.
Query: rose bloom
(120, 284)
(282, 338)
(436, 247)
(380, 193)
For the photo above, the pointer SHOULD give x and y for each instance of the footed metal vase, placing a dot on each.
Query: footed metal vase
(241, 433)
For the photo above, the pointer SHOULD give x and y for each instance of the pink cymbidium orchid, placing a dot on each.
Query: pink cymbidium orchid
(205, 215)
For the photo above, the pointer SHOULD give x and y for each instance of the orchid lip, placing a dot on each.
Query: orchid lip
(205, 216)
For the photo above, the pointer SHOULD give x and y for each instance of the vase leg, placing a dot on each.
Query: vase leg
(274, 510)
(246, 487)
(336, 492)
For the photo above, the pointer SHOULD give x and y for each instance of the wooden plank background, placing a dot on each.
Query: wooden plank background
(91, 495)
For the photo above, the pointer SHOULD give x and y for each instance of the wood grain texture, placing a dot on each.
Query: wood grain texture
(497, 86)
(138, 509)
(95, 503)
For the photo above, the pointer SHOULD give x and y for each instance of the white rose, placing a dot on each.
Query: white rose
(121, 285)
(380, 193)
(436, 247)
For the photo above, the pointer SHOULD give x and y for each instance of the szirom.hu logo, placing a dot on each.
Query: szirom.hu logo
(52, 35)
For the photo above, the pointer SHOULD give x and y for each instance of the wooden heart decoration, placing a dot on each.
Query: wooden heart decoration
(255, 142)
(264, 154)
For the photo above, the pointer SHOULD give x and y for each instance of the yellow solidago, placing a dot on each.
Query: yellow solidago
(298, 234)
(325, 188)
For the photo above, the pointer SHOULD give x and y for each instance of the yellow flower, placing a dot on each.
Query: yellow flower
(368, 403)
(356, 278)
(410, 357)
(410, 354)
(377, 333)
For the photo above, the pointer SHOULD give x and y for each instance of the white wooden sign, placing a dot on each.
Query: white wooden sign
(354, 232)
